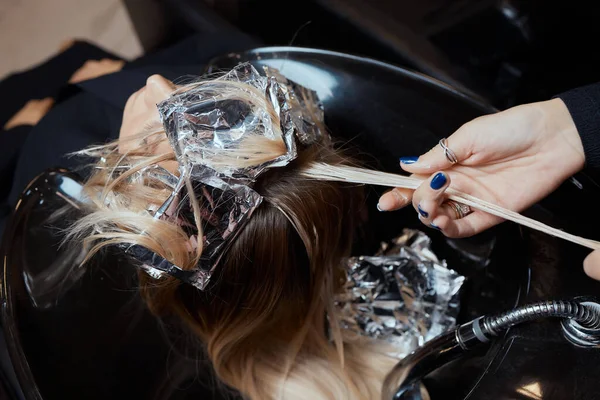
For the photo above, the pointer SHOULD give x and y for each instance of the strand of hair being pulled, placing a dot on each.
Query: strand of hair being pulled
(342, 173)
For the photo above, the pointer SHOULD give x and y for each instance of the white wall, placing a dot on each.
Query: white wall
(33, 30)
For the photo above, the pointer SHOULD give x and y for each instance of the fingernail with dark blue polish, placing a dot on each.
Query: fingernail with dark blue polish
(422, 212)
(434, 226)
(438, 181)
(408, 160)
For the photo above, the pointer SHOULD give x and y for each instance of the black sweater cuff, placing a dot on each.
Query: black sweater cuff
(584, 106)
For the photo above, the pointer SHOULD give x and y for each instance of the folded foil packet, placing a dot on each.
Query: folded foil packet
(404, 294)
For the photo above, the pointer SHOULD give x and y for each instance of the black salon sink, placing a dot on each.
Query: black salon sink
(90, 337)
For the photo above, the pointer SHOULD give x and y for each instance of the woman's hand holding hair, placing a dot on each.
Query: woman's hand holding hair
(513, 158)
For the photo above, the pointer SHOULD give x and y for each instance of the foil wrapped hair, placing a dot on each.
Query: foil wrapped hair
(404, 294)
(207, 122)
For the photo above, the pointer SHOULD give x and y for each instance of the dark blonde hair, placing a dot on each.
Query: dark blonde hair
(267, 318)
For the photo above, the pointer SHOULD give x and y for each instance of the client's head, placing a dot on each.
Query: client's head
(266, 317)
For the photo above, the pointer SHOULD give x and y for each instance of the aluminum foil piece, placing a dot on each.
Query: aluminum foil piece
(207, 120)
(404, 295)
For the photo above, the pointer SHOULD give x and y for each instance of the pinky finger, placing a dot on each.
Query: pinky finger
(395, 199)
(591, 265)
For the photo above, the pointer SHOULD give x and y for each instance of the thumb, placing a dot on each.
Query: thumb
(436, 159)
(591, 265)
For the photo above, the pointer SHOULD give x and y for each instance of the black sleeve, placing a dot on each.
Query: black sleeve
(11, 143)
(46, 79)
(70, 126)
(584, 105)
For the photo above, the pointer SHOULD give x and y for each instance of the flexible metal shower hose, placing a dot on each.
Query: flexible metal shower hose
(452, 345)
(586, 316)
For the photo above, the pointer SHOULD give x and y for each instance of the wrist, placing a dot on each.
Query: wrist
(561, 137)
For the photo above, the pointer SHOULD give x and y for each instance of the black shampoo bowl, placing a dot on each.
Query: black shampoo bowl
(89, 336)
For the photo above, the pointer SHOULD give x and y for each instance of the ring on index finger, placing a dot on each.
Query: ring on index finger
(450, 155)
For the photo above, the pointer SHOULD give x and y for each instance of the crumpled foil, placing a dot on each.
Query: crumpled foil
(404, 295)
(211, 118)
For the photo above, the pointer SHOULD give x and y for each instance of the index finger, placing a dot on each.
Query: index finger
(458, 147)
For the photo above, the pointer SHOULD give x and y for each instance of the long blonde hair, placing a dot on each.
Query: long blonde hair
(267, 318)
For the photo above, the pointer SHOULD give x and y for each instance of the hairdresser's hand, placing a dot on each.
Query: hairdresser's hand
(513, 158)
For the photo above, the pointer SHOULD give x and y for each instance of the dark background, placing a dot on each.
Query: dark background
(509, 52)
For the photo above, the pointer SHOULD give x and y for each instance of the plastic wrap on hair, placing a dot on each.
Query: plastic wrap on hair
(210, 121)
(404, 295)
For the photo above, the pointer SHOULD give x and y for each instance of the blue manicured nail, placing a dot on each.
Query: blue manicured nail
(438, 181)
(379, 208)
(408, 160)
(422, 212)
(434, 226)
